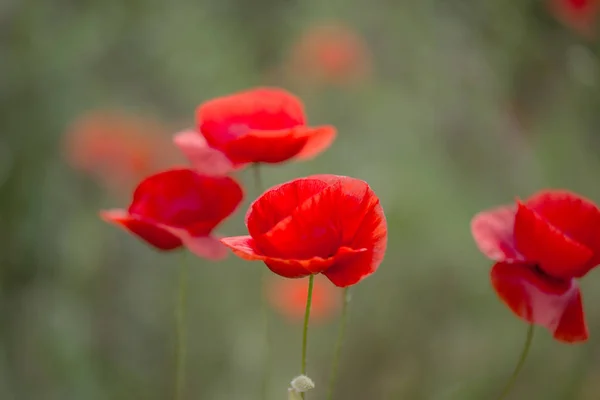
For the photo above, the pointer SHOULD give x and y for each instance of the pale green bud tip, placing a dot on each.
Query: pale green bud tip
(302, 384)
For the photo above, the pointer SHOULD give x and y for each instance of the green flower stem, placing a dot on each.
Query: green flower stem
(311, 281)
(181, 328)
(258, 184)
(338, 344)
(519, 366)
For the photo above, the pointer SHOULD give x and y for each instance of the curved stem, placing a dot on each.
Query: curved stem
(311, 280)
(264, 305)
(520, 363)
(180, 317)
(338, 344)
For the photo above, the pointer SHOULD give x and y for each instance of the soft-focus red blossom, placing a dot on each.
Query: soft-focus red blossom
(116, 148)
(326, 224)
(579, 15)
(330, 54)
(288, 297)
(540, 247)
(180, 207)
(264, 125)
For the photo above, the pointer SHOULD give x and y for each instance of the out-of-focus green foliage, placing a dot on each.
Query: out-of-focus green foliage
(470, 103)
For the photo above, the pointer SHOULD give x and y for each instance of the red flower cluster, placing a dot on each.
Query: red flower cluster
(541, 246)
(321, 224)
(264, 125)
(326, 224)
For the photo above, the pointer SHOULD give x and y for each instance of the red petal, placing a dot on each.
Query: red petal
(371, 235)
(319, 140)
(577, 217)
(148, 231)
(204, 158)
(545, 245)
(203, 246)
(182, 198)
(541, 300)
(266, 146)
(493, 234)
(225, 118)
(279, 202)
(245, 248)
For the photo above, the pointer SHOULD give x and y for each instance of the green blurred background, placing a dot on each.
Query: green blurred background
(468, 104)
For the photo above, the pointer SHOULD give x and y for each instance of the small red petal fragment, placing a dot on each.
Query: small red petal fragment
(545, 245)
(148, 231)
(319, 140)
(493, 234)
(541, 300)
(203, 246)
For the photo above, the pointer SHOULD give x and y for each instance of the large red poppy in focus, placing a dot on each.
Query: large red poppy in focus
(180, 207)
(326, 224)
(541, 246)
(264, 125)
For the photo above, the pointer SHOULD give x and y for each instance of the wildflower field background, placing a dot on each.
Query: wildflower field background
(455, 106)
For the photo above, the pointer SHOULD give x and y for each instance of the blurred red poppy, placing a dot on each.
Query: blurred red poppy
(579, 15)
(540, 247)
(288, 297)
(320, 224)
(116, 148)
(180, 207)
(330, 54)
(264, 125)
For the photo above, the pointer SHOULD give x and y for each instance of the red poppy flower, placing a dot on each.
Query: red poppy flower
(540, 247)
(321, 224)
(332, 53)
(180, 207)
(116, 148)
(288, 297)
(579, 15)
(265, 125)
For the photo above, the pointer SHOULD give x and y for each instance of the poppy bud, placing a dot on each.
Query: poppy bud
(302, 383)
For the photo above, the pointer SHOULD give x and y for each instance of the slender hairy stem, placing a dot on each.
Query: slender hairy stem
(519, 366)
(258, 184)
(311, 280)
(338, 344)
(265, 307)
(267, 349)
(181, 327)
